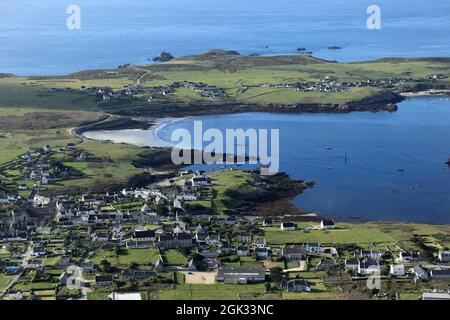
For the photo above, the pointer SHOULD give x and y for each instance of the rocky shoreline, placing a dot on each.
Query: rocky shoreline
(145, 118)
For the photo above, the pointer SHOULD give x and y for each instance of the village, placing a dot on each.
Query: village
(164, 93)
(170, 239)
(83, 219)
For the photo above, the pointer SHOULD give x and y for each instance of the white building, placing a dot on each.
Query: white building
(444, 256)
(198, 181)
(435, 296)
(288, 226)
(369, 266)
(40, 201)
(397, 270)
(327, 224)
(125, 296)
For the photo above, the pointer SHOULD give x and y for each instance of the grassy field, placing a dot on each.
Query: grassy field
(25, 128)
(174, 257)
(216, 292)
(129, 256)
(28, 93)
(226, 71)
(24, 285)
(4, 280)
(222, 183)
(374, 234)
(115, 168)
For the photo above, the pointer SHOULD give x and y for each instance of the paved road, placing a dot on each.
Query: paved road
(24, 264)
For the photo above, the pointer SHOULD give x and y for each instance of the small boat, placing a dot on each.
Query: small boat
(329, 168)
(401, 170)
(328, 148)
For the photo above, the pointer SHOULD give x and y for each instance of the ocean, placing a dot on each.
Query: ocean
(34, 39)
(368, 166)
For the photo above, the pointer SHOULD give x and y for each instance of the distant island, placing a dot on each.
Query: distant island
(163, 57)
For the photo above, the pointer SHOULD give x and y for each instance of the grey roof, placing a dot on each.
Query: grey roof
(144, 233)
(288, 224)
(440, 273)
(293, 250)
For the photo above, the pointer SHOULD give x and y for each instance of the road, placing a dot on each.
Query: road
(145, 72)
(24, 264)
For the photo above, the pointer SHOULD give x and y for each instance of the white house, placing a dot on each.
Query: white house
(198, 181)
(314, 248)
(40, 201)
(260, 243)
(435, 296)
(327, 224)
(444, 256)
(125, 296)
(288, 226)
(397, 270)
(369, 266)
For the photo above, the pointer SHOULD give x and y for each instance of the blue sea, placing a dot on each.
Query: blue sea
(381, 166)
(34, 39)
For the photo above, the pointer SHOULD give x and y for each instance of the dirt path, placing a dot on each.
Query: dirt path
(142, 76)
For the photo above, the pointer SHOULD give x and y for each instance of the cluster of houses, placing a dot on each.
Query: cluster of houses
(132, 219)
(330, 85)
(153, 93)
(37, 170)
(205, 90)
(406, 264)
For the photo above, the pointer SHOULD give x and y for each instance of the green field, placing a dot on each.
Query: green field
(113, 164)
(227, 71)
(129, 256)
(216, 292)
(222, 183)
(22, 92)
(368, 234)
(4, 280)
(33, 115)
(174, 257)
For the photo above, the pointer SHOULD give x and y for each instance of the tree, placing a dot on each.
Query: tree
(186, 219)
(161, 210)
(276, 274)
(119, 250)
(200, 262)
(134, 266)
(105, 265)
(186, 252)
